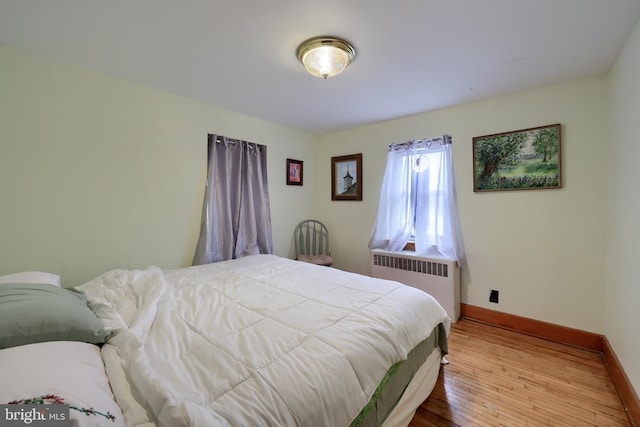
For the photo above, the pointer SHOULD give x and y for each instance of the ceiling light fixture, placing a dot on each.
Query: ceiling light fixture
(325, 56)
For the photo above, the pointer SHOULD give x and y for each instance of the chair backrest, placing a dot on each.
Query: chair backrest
(311, 238)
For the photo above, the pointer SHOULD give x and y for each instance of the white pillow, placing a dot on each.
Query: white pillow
(72, 372)
(31, 277)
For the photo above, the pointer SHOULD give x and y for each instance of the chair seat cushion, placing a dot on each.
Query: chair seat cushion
(316, 259)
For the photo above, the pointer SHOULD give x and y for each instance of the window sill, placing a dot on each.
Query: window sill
(410, 246)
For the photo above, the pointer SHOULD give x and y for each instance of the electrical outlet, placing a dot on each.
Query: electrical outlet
(494, 295)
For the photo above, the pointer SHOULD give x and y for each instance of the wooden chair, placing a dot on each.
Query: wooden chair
(311, 239)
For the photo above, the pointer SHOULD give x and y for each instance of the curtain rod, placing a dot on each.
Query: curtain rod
(444, 139)
(221, 138)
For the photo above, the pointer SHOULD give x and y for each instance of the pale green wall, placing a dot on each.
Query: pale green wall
(622, 315)
(543, 249)
(99, 173)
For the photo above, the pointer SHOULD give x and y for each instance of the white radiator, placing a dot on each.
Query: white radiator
(439, 277)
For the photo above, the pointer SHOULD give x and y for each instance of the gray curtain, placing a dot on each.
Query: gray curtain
(236, 218)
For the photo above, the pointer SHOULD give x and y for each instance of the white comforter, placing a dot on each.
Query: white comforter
(258, 341)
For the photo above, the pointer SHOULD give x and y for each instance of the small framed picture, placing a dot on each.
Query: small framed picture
(294, 172)
(346, 177)
(527, 159)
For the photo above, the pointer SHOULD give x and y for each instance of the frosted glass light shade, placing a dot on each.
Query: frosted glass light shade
(325, 56)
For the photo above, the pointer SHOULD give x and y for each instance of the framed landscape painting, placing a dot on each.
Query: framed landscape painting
(527, 159)
(346, 177)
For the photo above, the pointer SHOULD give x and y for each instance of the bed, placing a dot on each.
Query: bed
(266, 341)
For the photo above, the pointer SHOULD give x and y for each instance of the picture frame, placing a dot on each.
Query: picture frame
(294, 172)
(346, 177)
(526, 159)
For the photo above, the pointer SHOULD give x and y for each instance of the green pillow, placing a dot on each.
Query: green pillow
(36, 312)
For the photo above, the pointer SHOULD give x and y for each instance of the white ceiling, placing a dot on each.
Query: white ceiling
(412, 55)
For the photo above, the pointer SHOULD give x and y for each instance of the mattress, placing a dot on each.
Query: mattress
(393, 386)
(261, 340)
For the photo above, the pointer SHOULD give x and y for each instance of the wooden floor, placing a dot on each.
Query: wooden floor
(497, 377)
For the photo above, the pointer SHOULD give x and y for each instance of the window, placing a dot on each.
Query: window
(417, 200)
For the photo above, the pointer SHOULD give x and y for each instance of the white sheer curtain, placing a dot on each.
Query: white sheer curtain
(418, 199)
(236, 218)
